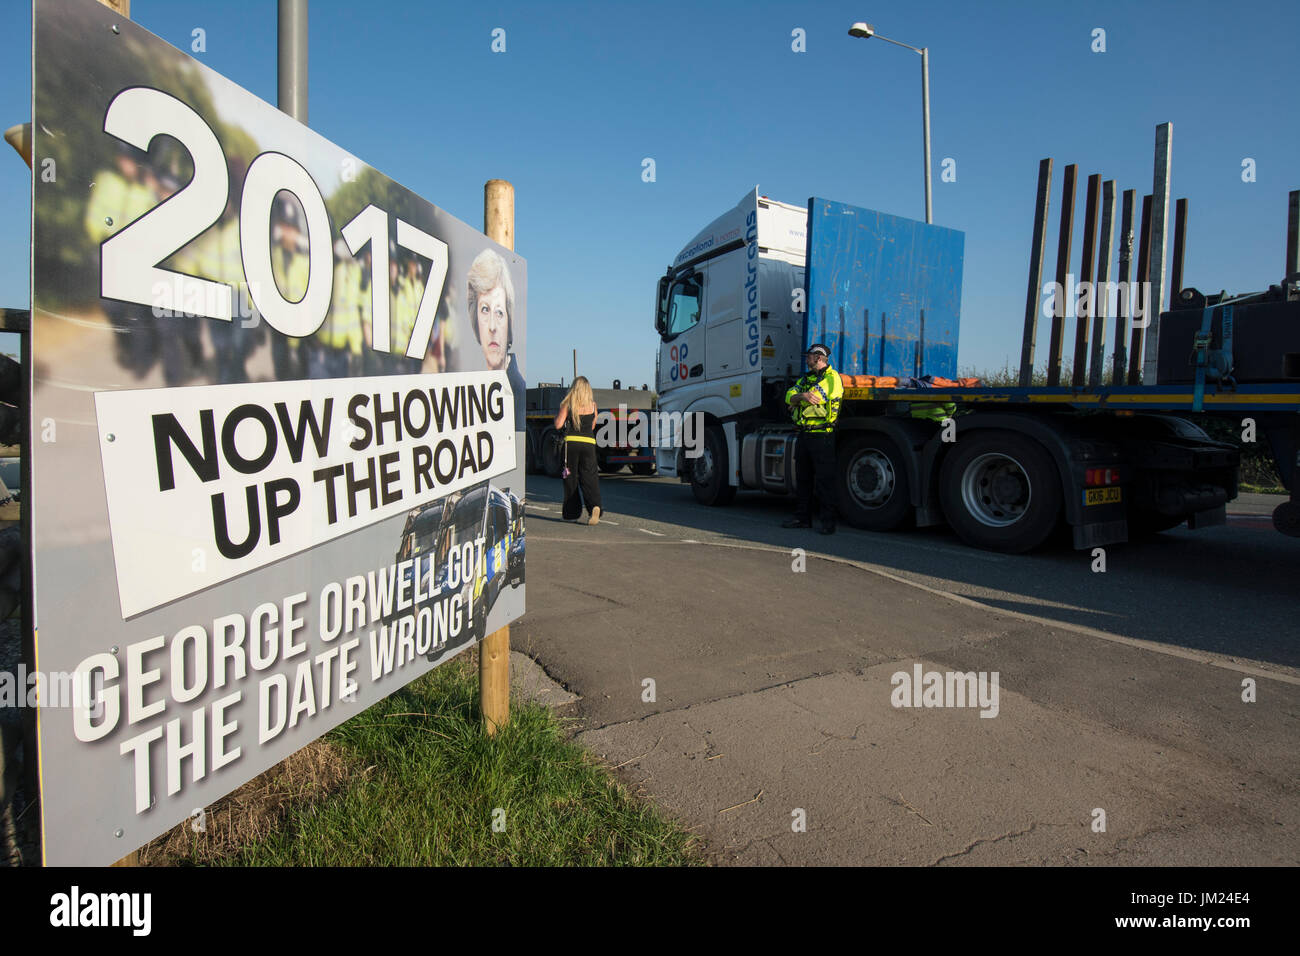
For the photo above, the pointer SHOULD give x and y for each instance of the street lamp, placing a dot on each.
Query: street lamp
(866, 31)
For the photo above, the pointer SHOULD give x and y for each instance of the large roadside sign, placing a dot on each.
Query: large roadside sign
(276, 404)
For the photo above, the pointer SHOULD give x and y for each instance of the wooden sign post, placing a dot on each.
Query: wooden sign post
(494, 651)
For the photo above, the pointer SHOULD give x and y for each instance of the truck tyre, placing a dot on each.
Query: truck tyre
(643, 468)
(709, 472)
(607, 466)
(530, 456)
(871, 478)
(1286, 518)
(552, 453)
(1001, 492)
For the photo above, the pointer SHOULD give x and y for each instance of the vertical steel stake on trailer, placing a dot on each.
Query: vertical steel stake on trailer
(1062, 271)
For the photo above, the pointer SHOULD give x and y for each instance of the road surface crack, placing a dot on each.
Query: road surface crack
(828, 737)
(992, 840)
(590, 594)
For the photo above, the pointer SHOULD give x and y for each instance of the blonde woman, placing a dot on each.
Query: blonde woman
(578, 412)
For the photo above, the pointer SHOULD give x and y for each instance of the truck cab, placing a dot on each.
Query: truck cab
(727, 314)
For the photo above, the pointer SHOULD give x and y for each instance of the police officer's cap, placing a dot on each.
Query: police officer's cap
(289, 214)
(818, 349)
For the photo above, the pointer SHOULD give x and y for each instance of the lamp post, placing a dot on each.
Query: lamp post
(866, 31)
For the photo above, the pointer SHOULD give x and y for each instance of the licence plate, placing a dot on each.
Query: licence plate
(1102, 496)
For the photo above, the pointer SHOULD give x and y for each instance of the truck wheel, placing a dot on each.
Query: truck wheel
(1001, 492)
(552, 453)
(530, 456)
(874, 492)
(643, 468)
(608, 467)
(1286, 518)
(709, 472)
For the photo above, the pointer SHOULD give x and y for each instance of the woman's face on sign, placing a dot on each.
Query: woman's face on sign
(493, 326)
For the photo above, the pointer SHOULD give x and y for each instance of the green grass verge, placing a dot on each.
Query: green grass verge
(1261, 489)
(428, 784)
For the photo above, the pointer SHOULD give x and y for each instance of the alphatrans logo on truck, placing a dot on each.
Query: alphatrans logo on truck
(751, 289)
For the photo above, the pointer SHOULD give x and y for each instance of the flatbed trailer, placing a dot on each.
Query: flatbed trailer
(1006, 467)
(1121, 416)
(1280, 397)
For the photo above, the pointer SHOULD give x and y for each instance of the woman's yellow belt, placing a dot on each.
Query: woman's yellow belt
(582, 438)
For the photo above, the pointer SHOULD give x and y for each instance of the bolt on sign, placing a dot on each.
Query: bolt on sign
(277, 403)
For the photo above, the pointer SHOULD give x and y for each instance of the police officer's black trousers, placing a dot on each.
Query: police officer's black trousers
(580, 457)
(814, 454)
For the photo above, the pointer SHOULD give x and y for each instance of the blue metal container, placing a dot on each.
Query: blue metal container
(884, 292)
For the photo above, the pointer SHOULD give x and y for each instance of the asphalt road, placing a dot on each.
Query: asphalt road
(1229, 590)
(1145, 714)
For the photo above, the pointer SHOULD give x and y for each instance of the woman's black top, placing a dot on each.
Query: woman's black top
(583, 425)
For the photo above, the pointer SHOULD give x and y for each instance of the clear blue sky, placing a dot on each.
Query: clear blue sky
(715, 95)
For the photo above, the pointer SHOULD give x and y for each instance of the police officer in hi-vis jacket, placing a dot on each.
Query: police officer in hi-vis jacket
(814, 403)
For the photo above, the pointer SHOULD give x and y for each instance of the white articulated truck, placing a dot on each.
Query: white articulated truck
(1005, 467)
